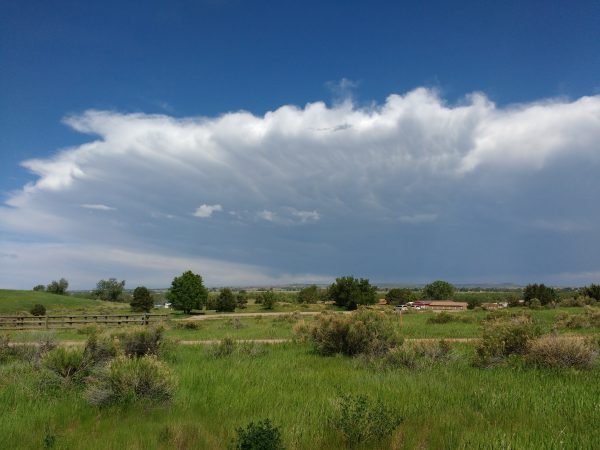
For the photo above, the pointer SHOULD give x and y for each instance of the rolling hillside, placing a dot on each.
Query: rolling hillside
(14, 302)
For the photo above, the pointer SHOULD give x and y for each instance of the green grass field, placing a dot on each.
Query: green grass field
(454, 406)
(450, 405)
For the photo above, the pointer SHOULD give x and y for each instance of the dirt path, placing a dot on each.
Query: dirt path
(216, 341)
(256, 314)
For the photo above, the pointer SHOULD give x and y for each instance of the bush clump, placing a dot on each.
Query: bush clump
(418, 354)
(262, 435)
(142, 341)
(502, 338)
(38, 310)
(187, 325)
(574, 321)
(71, 364)
(125, 380)
(361, 332)
(561, 352)
(359, 419)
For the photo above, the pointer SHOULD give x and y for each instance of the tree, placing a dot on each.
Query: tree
(398, 296)
(309, 294)
(349, 292)
(187, 292)
(542, 292)
(58, 287)
(268, 299)
(38, 310)
(438, 290)
(242, 299)
(142, 300)
(109, 290)
(226, 301)
(39, 287)
(593, 291)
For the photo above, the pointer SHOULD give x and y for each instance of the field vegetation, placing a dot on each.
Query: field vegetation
(370, 379)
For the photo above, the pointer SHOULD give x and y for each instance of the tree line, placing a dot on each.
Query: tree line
(187, 292)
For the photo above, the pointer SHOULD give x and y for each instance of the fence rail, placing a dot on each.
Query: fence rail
(73, 321)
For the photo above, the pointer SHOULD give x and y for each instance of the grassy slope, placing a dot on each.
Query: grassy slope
(455, 406)
(14, 302)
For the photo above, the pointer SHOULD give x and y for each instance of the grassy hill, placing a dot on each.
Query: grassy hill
(15, 302)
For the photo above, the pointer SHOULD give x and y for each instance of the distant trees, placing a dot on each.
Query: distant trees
(142, 300)
(187, 292)
(39, 287)
(268, 299)
(241, 299)
(109, 290)
(226, 301)
(397, 296)
(58, 287)
(438, 290)
(310, 294)
(592, 291)
(541, 292)
(349, 292)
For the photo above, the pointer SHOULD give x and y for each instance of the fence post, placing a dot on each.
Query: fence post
(46, 321)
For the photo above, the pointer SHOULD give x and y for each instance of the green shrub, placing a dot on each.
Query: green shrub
(561, 352)
(360, 420)
(101, 348)
(593, 316)
(361, 332)
(417, 354)
(143, 341)
(575, 321)
(126, 380)
(38, 310)
(443, 317)
(262, 435)
(70, 364)
(188, 325)
(534, 303)
(502, 338)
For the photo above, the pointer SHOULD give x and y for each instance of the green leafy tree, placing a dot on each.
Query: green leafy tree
(110, 290)
(39, 287)
(397, 296)
(349, 292)
(58, 287)
(241, 299)
(438, 290)
(226, 301)
(592, 291)
(309, 294)
(187, 292)
(268, 299)
(542, 292)
(142, 300)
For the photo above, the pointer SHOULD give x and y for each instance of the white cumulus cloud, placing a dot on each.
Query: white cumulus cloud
(328, 189)
(206, 211)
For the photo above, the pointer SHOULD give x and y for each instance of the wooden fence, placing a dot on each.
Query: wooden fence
(54, 322)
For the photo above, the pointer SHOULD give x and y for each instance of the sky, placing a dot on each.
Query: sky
(275, 142)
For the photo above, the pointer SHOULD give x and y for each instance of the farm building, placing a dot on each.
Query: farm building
(445, 305)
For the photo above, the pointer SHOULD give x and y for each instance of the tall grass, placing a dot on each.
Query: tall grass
(443, 406)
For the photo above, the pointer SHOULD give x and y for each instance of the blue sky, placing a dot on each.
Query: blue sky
(275, 142)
